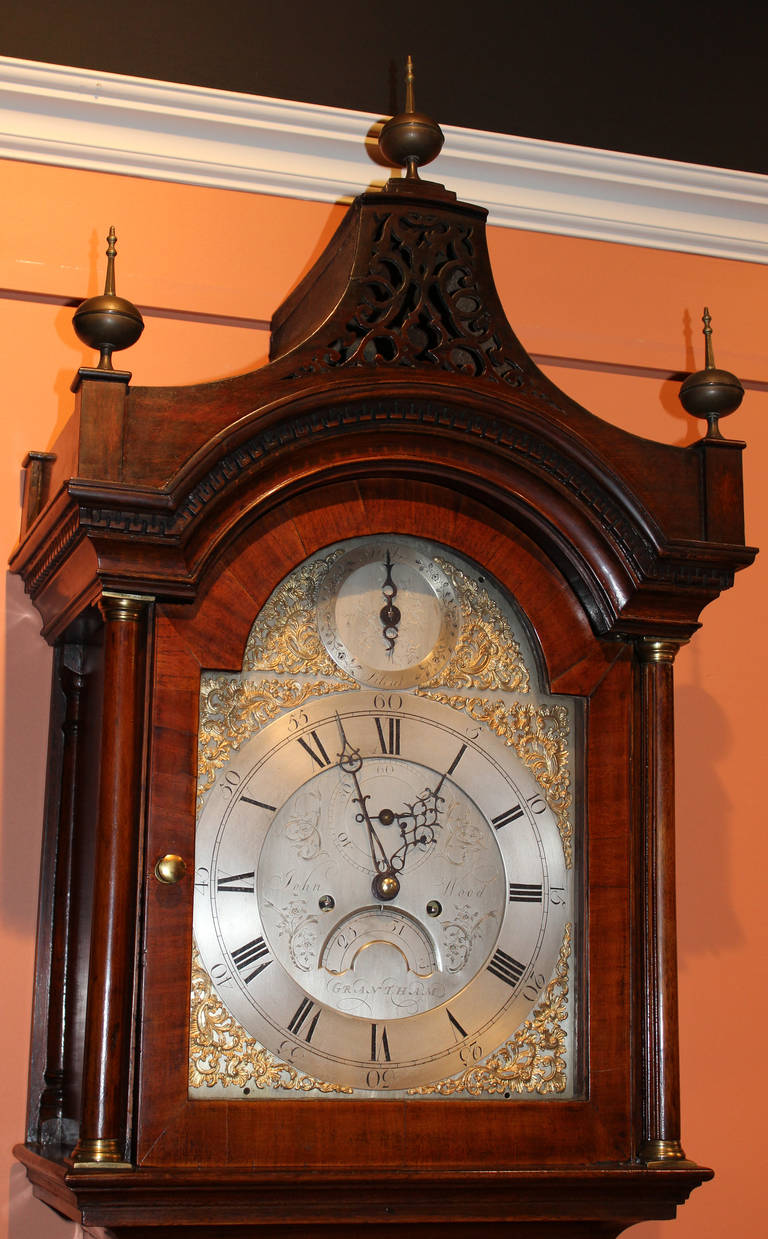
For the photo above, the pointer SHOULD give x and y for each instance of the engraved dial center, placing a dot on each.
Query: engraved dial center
(391, 959)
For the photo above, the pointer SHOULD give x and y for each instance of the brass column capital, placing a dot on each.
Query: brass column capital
(123, 608)
(659, 649)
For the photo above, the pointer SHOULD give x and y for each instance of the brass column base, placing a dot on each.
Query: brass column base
(667, 1153)
(99, 1154)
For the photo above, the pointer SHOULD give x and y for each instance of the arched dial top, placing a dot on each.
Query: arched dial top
(383, 886)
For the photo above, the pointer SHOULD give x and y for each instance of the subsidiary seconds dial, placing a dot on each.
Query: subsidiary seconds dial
(387, 613)
(381, 892)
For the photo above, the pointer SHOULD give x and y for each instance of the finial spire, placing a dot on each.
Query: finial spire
(410, 105)
(109, 279)
(709, 356)
(711, 393)
(108, 322)
(410, 139)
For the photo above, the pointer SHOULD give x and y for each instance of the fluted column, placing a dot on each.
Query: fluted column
(106, 1067)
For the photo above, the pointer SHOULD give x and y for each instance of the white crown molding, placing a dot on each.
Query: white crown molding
(107, 122)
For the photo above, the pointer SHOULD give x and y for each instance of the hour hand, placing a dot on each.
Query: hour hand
(389, 613)
(417, 826)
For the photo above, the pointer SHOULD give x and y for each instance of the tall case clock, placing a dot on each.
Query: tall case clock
(357, 907)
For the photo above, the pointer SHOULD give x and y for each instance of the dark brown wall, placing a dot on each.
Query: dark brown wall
(677, 80)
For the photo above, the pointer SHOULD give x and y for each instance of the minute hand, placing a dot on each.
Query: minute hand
(350, 762)
(381, 865)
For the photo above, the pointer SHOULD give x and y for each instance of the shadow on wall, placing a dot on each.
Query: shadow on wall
(689, 429)
(25, 719)
(81, 356)
(28, 1218)
(27, 661)
(708, 924)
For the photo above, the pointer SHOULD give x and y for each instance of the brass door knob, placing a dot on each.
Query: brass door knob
(170, 869)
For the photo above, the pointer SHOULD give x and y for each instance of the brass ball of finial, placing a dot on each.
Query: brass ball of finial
(411, 137)
(107, 322)
(711, 394)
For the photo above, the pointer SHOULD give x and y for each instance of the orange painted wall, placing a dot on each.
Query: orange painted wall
(196, 259)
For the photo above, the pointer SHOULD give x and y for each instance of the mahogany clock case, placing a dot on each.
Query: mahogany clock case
(609, 544)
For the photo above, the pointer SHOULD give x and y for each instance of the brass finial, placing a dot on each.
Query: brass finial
(410, 139)
(108, 322)
(711, 393)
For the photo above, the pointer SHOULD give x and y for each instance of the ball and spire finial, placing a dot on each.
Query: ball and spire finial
(108, 322)
(410, 139)
(711, 393)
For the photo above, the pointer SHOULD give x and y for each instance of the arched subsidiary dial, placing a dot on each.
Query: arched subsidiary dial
(381, 892)
(387, 613)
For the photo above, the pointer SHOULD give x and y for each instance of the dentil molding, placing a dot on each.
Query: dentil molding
(108, 122)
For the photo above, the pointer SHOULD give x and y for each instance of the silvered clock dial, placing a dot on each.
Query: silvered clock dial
(384, 875)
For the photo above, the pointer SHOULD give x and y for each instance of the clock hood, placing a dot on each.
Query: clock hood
(392, 357)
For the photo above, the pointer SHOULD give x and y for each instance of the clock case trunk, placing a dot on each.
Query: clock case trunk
(397, 400)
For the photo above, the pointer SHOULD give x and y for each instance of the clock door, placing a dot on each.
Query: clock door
(396, 833)
(390, 906)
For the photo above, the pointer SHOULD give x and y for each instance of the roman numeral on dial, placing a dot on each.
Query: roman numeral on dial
(379, 1044)
(259, 804)
(455, 1025)
(248, 954)
(510, 815)
(307, 1011)
(525, 892)
(237, 882)
(506, 968)
(315, 750)
(456, 759)
(389, 737)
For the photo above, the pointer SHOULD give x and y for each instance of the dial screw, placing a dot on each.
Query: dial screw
(326, 902)
(385, 886)
(434, 907)
(386, 817)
